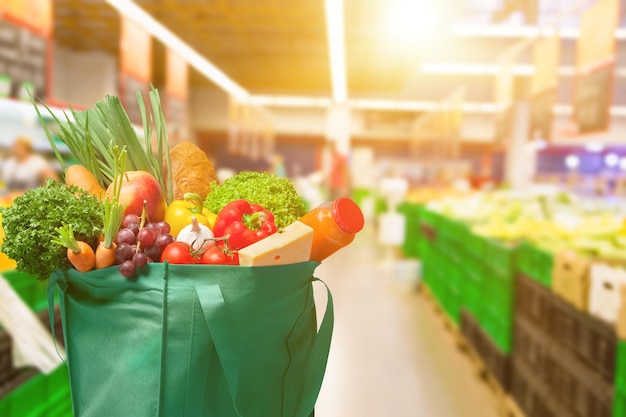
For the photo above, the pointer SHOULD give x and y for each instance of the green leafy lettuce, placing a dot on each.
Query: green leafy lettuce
(29, 226)
(275, 194)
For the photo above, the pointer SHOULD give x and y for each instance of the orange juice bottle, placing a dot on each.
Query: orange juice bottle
(335, 225)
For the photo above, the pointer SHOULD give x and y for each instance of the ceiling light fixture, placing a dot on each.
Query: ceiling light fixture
(516, 31)
(473, 69)
(132, 11)
(336, 47)
(290, 101)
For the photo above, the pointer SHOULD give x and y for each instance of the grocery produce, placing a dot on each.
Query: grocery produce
(278, 195)
(112, 216)
(92, 136)
(196, 234)
(79, 253)
(243, 223)
(550, 221)
(114, 207)
(180, 212)
(218, 255)
(81, 177)
(140, 244)
(335, 225)
(179, 253)
(191, 171)
(137, 187)
(30, 225)
(291, 245)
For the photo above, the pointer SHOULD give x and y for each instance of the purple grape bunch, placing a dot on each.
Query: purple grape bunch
(137, 247)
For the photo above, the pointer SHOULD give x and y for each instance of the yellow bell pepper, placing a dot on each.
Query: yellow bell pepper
(180, 212)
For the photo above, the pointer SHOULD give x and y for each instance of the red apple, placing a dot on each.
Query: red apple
(138, 186)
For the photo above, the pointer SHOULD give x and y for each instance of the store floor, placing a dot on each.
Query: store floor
(391, 356)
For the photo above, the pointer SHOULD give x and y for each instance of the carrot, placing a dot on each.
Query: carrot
(84, 259)
(111, 215)
(105, 256)
(81, 177)
(79, 253)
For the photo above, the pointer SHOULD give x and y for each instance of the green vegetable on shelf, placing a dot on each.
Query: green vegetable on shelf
(275, 194)
(31, 223)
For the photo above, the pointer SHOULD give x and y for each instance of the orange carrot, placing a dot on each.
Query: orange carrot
(84, 260)
(105, 257)
(79, 253)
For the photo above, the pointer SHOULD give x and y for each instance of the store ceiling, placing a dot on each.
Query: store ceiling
(280, 46)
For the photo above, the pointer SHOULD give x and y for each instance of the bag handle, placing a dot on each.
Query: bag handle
(56, 280)
(316, 368)
(212, 303)
(213, 307)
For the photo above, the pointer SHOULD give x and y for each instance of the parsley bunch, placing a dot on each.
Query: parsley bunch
(29, 226)
(275, 194)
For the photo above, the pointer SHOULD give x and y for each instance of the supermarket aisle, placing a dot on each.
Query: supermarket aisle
(391, 356)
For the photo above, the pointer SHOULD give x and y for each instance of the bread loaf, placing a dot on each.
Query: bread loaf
(192, 171)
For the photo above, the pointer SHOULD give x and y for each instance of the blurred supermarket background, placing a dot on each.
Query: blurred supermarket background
(485, 141)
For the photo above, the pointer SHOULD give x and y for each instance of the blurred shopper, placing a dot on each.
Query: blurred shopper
(339, 181)
(278, 166)
(25, 169)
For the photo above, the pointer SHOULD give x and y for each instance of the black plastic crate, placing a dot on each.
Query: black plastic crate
(576, 386)
(531, 347)
(6, 359)
(531, 395)
(496, 362)
(591, 339)
(532, 301)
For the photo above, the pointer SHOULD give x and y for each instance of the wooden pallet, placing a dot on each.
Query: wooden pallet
(506, 405)
(482, 372)
(449, 325)
(511, 409)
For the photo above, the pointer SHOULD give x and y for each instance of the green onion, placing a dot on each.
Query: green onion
(90, 134)
(113, 211)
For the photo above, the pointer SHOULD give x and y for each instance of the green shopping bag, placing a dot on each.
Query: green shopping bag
(194, 341)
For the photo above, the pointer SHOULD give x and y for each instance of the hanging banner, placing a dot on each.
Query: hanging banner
(546, 56)
(25, 37)
(595, 62)
(135, 67)
(176, 96)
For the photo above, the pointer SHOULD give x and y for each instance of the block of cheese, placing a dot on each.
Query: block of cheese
(290, 246)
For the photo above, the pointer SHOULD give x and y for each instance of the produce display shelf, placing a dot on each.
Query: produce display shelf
(560, 360)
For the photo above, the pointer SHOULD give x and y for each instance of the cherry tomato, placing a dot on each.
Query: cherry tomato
(179, 253)
(215, 255)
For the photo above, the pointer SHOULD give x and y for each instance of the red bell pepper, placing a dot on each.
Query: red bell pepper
(243, 223)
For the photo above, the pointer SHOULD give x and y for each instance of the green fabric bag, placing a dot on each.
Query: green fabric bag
(194, 341)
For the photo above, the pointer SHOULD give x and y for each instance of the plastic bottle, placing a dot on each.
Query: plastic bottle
(335, 225)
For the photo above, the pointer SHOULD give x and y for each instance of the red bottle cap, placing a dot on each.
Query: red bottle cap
(347, 215)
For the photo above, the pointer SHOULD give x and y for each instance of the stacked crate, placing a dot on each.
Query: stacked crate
(535, 323)
(472, 279)
(563, 358)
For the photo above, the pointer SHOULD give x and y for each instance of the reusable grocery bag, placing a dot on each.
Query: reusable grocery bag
(194, 341)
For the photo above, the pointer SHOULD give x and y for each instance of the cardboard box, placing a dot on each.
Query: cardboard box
(570, 278)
